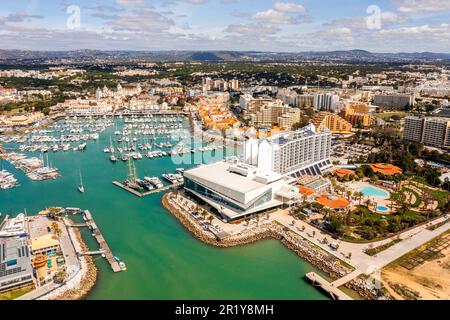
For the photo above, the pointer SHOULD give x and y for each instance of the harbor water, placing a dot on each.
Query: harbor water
(164, 260)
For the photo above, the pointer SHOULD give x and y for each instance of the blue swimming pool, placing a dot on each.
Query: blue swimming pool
(373, 192)
(382, 208)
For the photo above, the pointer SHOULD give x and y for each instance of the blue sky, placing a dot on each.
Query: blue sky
(266, 25)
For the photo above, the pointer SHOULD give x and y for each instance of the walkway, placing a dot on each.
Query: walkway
(411, 239)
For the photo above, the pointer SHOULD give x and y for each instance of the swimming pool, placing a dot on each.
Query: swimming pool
(373, 192)
(382, 208)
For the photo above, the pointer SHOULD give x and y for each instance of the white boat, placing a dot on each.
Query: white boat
(81, 186)
(155, 181)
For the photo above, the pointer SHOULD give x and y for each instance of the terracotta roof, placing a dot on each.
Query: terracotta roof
(306, 190)
(386, 169)
(334, 202)
(344, 172)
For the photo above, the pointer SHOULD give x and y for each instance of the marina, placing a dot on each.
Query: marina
(144, 225)
(148, 193)
(116, 264)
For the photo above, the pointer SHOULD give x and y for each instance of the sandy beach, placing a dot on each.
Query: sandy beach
(429, 281)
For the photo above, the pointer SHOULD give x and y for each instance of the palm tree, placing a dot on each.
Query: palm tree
(210, 219)
(56, 229)
(349, 194)
(360, 196)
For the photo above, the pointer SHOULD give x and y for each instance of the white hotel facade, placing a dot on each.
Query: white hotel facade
(260, 179)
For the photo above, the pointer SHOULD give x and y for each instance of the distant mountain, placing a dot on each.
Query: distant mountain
(223, 56)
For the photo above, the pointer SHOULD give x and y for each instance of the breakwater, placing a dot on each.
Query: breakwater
(322, 260)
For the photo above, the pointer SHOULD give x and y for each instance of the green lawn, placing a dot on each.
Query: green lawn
(387, 115)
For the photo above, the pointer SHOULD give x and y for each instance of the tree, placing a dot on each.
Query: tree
(46, 111)
(210, 219)
(56, 229)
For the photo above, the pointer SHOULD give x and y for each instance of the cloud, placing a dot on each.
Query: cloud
(134, 3)
(388, 18)
(18, 17)
(175, 2)
(251, 29)
(140, 21)
(421, 6)
(288, 7)
(273, 17)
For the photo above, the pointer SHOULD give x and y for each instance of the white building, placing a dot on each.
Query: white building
(261, 181)
(326, 102)
(434, 132)
(292, 153)
(236, 189)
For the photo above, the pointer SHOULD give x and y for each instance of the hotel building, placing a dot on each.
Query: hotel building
(260, 180)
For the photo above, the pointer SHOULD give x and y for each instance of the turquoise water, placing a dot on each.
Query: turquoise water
(164, 261)
(382, 208)
(373, 192)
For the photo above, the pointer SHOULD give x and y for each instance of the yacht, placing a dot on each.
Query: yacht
(155, 181)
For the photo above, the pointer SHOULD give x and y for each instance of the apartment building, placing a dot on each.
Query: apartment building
(357, 114)
(434, 132)
(394, 101)
(334, 123)
(274, 113)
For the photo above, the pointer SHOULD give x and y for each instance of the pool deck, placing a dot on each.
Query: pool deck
(377, 200)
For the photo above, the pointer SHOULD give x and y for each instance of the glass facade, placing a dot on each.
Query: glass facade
(193, 186)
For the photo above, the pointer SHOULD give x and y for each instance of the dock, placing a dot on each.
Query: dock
(328, 287)
(148, 193)
(104, 248)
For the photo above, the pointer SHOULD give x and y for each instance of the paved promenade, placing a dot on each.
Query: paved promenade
(353, 253)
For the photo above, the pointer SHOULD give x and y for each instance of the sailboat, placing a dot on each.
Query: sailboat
(81, 186)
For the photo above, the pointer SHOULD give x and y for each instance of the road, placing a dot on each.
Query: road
(362, 262)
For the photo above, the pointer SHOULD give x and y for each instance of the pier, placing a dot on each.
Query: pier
(328, 287)
(92, 253)
(104, 248)
(144, 194)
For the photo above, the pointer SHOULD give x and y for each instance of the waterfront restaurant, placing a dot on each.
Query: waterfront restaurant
(237, 189)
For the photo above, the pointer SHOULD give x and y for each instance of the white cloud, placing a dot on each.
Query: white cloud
(418, 6)
(288, 7)
(273, 17)
(134, 3)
